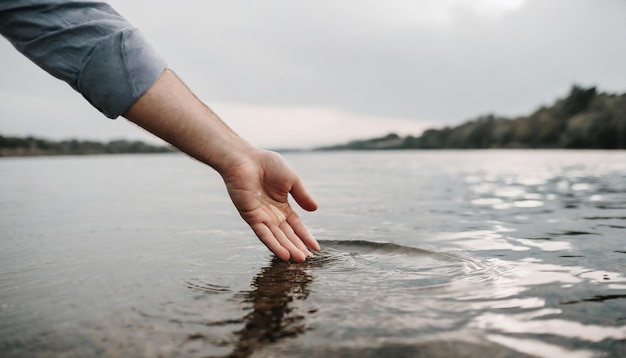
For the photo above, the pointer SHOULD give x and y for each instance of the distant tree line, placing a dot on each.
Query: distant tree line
(29, 146)
(585, 119)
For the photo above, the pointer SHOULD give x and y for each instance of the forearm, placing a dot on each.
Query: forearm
(173, 113)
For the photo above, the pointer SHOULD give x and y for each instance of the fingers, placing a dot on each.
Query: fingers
(302, 196)
(291, 235)
(301, 231)
(295, 253)
(280, 244)
(267, 237)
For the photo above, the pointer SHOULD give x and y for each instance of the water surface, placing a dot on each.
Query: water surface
(442, 253)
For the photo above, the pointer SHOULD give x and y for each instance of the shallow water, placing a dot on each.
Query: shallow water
(442, 253)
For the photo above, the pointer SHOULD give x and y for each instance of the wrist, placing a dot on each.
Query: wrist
(230, 152)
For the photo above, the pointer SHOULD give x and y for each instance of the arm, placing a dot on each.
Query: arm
(97, 52)
(257, 181)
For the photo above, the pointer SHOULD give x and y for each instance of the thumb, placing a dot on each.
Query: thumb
(302, 196)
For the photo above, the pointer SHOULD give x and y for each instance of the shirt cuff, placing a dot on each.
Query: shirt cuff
(118, 71)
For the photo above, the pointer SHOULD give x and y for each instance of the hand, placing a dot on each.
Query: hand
(258, 181)
(259, 188)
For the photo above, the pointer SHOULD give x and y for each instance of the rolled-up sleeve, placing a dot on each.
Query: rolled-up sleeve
(86, 44)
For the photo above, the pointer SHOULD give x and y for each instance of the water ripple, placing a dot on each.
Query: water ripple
(392, 267)
(205, 287)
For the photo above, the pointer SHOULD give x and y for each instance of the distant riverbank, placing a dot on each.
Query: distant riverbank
(32, 146)
(584, 119)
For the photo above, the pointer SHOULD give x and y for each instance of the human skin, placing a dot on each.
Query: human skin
(258, 181)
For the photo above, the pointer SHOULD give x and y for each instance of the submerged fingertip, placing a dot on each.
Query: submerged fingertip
(281, 252)
(285, 256)
(298, 257)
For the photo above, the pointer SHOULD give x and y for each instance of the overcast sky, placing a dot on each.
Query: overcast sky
(293, 73)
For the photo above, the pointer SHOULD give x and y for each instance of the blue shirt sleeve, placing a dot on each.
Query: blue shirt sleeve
(86, 44)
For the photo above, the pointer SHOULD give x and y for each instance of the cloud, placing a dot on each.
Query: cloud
(404, 59)
(393, 62)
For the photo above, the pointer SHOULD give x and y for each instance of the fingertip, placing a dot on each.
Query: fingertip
(267, 238)
(302, 232)
(314, 245)
(302, 197)
(309, 204)
(282, 253)
(298, 256)
(312, 207)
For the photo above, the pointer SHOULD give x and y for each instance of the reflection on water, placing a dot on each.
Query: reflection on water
(434, 254)
(273, 315)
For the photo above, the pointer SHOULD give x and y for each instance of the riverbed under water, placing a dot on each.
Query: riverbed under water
(424, 253)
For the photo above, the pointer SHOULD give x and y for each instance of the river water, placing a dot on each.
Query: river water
(424, 253)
